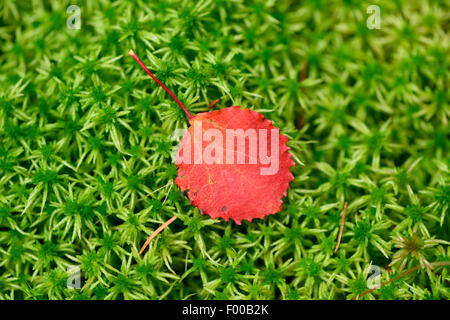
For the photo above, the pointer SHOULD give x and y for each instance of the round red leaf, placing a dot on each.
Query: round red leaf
(239, 184)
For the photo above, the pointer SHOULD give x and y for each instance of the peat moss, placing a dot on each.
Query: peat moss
(85, 148)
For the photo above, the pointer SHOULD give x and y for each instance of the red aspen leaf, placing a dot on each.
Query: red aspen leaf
(240, 181)
(233, 190)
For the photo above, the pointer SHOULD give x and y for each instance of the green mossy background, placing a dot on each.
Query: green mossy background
(85, 148)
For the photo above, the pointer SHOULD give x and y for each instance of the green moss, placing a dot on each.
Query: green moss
(85, 148)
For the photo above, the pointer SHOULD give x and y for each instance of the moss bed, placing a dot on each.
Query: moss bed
(85, 148)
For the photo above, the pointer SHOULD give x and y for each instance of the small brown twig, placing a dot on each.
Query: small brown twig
(401, 275)
(154, 234)
(300, 121)
(213, 103)
(300, 118)
(388, 269)
(341, 228)
(304, 72)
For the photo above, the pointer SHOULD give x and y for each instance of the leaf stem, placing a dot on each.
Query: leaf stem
(135, 57)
